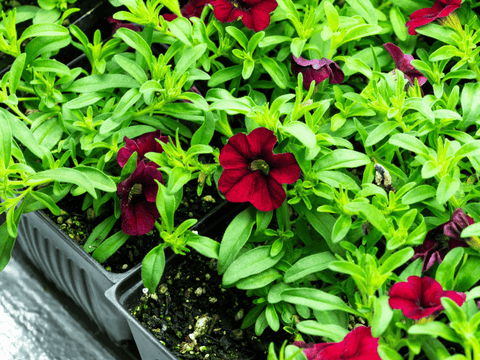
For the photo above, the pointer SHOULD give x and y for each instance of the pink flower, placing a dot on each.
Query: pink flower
(402, 63)
(440, 9)
(317, 70)
(357, 345)
(117, 24)
(191, 8)
(138, 194)
(419, 298)
(255, 14)
(252, 172)
(440, 240)
(142, 145)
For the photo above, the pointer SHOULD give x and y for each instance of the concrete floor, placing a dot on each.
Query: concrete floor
(37, 322)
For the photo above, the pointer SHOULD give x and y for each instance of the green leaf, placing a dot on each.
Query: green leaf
(302, 132)
(274, 70)
(387, 353)
(382, 315)
(337, 178)
(260, 280)
(373, 215)
(238, 35)
(110, 246)
(430, 169)
(99, 234)
(127, 102)
(167, 203)
(66, 175)
(435, 329)
(263, 219)
(16, 72)
(332, 16)
(189, 58)
(235, 236)
(224, 75)
(469, 149)
(152, 268)
(250, 263)
(398, 23)
(341, 158)
(447, 188)
(418, 194)
(330, 331)
(95, 83)
(437, 32)
(468, 275)
(5, 141)
(410, 143)
(135, 40)
(84, 100)
(308, 265)
(47, 201)
(446, 270)
(132, 68)
(396, 260)
(6, 245)
(315, 299)
(38, 30)
(98, 178)
(341, 228)
(470, 101)
(272, 317)
(365, 9)
(205, 246)
(454, 313)
(380, 132)
(205, 133)
(179, 176)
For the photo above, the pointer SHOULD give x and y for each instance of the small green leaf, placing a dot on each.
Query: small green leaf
(152, 268)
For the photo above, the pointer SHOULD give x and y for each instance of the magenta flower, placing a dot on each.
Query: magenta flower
(252, 172)
(317, 70)
(255, 14)
(440, 240)
(440, 9)
(419, 298)
(117, 24)
(191, 8)
(138, 194)
(142, 145)
(357, 345)
(402, 63)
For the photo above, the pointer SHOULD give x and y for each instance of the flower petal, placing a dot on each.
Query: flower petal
(261, 142)
(268, 195)
(138, 219)
(234, 186)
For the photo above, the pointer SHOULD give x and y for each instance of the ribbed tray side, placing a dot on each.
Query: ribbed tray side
(73, 271)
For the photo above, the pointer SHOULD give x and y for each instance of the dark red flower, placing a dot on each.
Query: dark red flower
(357, 345)
(138, 194)
(142, 145)
(252, 172)
(117, 24)
(402, 63)
(440, 240)
(255, 14)
(440, 9)
(419, 298)
(317, 70)
(191, 8)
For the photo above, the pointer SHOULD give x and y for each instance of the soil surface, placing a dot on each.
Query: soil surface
(189, 301)
(79, 224)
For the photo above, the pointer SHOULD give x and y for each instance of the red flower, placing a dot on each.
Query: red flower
(317, 70)
(138, 194)
(442, 239)
(357, 345)
(402, 63)
(440, 9)
(191, 8)
(420, 297)
(255, 14)
(252, 172)
(142, 145)
(117, 24)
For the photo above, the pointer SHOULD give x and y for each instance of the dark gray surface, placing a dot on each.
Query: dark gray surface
(37, 322)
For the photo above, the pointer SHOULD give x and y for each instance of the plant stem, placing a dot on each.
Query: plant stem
(28, 99)
(20, 114)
